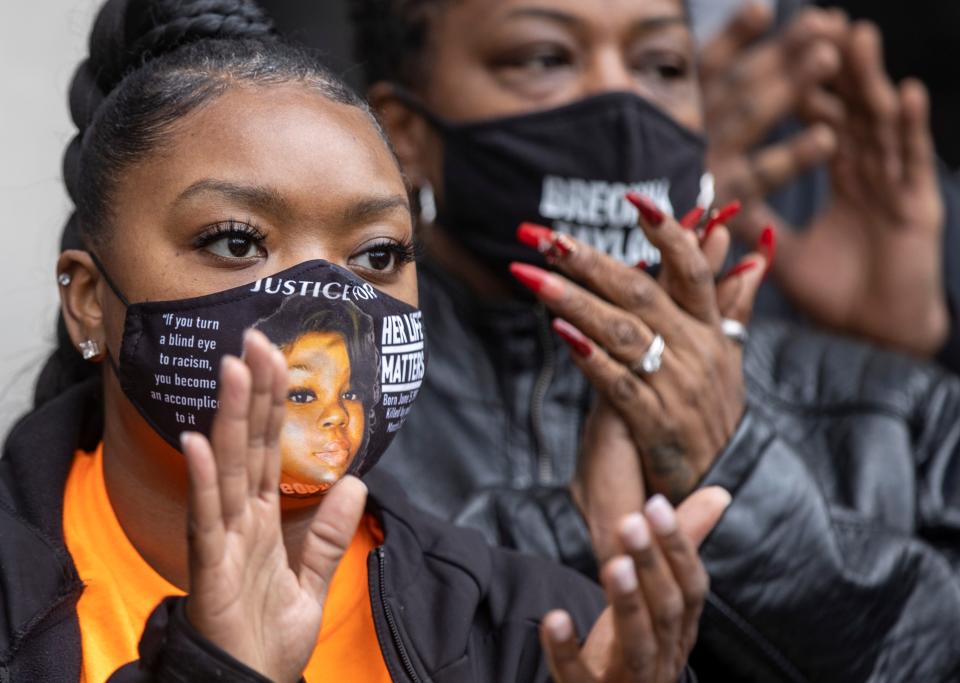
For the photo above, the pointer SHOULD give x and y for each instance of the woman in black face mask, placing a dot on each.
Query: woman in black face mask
(224, 180)
(584, 118)
(552, 112)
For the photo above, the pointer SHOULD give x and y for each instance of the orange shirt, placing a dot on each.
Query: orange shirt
(122, 590)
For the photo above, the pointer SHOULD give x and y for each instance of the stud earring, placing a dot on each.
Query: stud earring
(89, 349)
(428, 204)
(64, 279)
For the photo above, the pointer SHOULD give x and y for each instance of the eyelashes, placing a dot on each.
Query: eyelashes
(229, 228)
(236, 242)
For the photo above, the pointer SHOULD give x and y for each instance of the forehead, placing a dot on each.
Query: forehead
(287, 136)
(311, 345)
(613, 14)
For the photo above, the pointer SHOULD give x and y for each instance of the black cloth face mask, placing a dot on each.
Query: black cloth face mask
(356, 359)
(569, 169)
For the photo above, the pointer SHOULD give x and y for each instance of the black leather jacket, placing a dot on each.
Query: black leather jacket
(837, 560)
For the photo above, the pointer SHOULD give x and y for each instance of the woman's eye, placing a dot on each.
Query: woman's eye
(385, 258)
(544, 62)
(235, 246)
(663, 67)
(537, 60)
(378, 258)
(301, 396)
(350, 396)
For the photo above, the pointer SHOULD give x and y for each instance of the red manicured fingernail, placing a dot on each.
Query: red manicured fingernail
(768, 246)
(720, 217)
(741, 268)
(552, 244)
(535, 236)
(641, 265)
(692, 218)
(575, 339)
(537, 280)
(651, 214)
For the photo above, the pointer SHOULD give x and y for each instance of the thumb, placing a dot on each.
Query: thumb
(331, 531)
(700, 512)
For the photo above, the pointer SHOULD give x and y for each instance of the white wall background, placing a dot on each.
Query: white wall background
(41, 42)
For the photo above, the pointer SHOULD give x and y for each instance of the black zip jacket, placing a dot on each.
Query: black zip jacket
(446, 606)
(838, 558)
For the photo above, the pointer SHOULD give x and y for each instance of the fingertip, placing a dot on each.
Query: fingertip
(721, 497)
(558, 626)
(915, 96)
(634, 532)
(755, 17)
(824, 138)
(621, 575)
(186, 440)
(662, 516)
(355, 484)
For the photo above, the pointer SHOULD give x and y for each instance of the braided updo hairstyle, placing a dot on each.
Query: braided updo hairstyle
(152, 62)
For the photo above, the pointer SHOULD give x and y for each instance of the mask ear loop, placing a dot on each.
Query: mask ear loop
(116, 290)
(108, 279)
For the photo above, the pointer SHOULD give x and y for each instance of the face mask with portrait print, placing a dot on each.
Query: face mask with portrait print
(567, 168)
(355, 356)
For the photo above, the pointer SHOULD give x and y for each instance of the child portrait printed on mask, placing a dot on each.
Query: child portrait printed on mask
(329, 397)
(355, 356)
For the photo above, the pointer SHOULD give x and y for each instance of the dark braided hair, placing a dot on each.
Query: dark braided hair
(152, 62)
(392, 38)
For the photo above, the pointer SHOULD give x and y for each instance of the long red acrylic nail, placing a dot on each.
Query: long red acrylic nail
(767, 246)
(651, 214)
(536, 280)
(553, 245)
(721, 217)
(692, 217)
(575, 339)
(535, 236)
(742, 268)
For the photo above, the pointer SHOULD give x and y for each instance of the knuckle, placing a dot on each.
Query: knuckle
(669, 611)
(625, 388)
(625, 334)
(698, 586)
(588, 260)
(697, 272)
(638, 659)
(641, 293)
(690, 390)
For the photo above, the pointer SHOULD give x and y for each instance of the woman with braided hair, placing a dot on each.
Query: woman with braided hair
(220, 175)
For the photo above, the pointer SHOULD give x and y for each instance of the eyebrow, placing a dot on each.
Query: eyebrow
(371, 208)
(252, 196)
(270, 200)
(641, 26)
